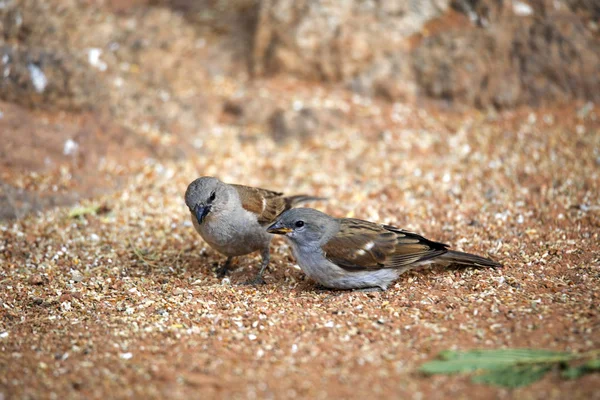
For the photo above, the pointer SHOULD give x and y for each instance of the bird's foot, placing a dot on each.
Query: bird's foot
(257, 280)
(222, 271)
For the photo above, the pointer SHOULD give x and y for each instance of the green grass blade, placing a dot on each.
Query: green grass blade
(456, 366)
(593, 365)
(83, 211)
(576, 372)
(454, 362)
(513, 377)
(505, 354)
(573, 372)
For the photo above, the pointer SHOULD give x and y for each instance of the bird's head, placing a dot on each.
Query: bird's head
(304, 226)
(207, 196)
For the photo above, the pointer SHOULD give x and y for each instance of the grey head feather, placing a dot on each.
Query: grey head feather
(200, 189)
(211, 194)
(306, 226)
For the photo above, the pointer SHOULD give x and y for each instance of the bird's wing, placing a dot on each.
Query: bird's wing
(362, 245)
(266, 204)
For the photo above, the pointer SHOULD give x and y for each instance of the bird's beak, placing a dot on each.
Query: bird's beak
(201, 212)
(278, 230)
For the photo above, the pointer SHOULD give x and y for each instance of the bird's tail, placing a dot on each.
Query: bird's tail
(467, 260)
(293, 201)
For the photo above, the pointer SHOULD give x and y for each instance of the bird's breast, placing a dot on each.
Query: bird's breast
(233, 235)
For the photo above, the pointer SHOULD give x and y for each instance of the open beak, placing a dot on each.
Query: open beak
(278, 230)
(201, 212)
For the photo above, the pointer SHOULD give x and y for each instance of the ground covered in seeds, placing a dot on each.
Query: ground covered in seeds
(106, 291)
(124, 301)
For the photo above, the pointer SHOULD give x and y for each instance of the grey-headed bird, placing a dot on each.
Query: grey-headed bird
(348, 253)
(233, 219)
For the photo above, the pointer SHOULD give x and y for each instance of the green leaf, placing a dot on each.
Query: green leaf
(513, 377)
(505, 354)
(580, 370)
(82, 211)
(593, 364)
(573, 372)
(511, 367)
(455, 366)
(453, 362)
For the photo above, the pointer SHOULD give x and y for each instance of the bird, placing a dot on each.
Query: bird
(233, 219)
(349, 253)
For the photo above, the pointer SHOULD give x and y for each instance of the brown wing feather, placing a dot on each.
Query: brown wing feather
(266, 193)
(266, 204)
(360, 245)
(412, 248)
(363, 245)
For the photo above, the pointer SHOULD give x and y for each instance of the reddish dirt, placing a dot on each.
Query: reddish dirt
(49, 159)
(125, 303)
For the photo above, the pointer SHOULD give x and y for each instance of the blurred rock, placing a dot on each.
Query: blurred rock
(40, 64)
(216, 15)
(335, 41)
(39, 23)
(391, 78)
(233, 22)
(451, 67)
(589, 8)
(498, 56)
(286, 124)
(37, 279)
(479, 12)
(558, 60)
(47, 79)
(234, 108)
(516, 60)
(301, 124)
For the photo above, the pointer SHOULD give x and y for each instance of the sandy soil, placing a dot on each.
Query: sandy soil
(125, 302)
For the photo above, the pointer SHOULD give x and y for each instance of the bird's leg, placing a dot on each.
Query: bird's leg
(258, 279)
(222, 271)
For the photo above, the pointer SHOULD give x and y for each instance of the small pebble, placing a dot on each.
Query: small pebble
(37, 279)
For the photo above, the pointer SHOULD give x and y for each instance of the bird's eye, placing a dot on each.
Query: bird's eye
(212, 197)
(299, 224)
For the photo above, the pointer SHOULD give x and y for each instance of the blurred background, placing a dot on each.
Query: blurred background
(89, 88)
